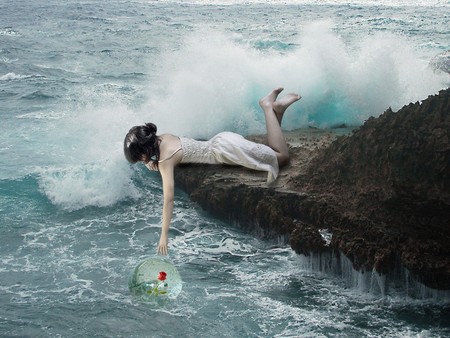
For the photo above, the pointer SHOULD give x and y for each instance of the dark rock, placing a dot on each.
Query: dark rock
(383, 192)
(395, 172)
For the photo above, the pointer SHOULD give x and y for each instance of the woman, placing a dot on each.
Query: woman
(164, 152)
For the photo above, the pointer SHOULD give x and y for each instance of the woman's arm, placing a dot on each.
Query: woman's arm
(166, 170)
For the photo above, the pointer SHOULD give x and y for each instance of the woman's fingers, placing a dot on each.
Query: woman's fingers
(162, 250)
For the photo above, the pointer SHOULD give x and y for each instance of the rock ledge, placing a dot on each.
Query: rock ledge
(382, 192)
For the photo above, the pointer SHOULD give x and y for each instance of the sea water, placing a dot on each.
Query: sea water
(76, 218)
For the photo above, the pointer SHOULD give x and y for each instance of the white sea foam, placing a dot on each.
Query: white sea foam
(13, 76)
(100, 184)
(213, 82)
(326, 236)
(392, 3)
(8, 32)
(87, 144)
(6, 60)
(41, 115)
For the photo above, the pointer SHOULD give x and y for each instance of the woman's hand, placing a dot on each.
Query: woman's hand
(151, 165)
(163, 245)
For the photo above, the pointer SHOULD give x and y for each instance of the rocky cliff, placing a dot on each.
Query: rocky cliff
(379, 195)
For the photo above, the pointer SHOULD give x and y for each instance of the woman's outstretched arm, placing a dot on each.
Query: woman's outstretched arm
(166, 170)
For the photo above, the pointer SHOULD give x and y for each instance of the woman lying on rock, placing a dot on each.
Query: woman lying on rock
(164, 152)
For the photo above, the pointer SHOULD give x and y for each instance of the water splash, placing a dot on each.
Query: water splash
(86, 148)
(100, 184)
(213, 82)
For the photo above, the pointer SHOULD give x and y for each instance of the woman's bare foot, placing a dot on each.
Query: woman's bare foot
(280, 106)
(269, 100)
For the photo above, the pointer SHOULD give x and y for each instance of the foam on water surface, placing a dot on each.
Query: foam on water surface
(76, 218)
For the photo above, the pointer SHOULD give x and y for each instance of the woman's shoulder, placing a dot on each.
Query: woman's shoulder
(167, 135)
(169, 141)
(169, 146)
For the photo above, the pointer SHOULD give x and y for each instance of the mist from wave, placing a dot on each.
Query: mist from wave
(71, 121)
(212, 83)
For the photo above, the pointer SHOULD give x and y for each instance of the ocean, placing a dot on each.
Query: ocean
(76, 218)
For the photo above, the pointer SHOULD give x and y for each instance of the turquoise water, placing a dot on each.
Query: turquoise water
(76, 218)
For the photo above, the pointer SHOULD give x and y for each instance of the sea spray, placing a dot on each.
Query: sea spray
(87, 151)
(213, 82)
(98, 184)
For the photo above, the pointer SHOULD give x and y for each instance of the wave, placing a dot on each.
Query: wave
(38, 95)
(213, 82)
(13, 76)
(71, 187)
(6, 60)
(76, 151)
(8, 31)
(390, 3)
(100, 184)
(42, 115)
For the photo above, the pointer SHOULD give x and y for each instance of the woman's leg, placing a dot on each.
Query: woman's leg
(273, 111)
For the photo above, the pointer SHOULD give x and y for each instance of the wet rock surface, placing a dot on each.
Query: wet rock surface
(381, 191)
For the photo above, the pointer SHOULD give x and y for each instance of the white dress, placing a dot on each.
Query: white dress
(231, 148)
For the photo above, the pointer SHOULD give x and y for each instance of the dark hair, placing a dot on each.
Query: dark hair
(141, 143)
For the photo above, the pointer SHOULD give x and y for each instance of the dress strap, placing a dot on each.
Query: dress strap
(171, 155)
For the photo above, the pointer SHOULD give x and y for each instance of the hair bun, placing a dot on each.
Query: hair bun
(151, 128)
